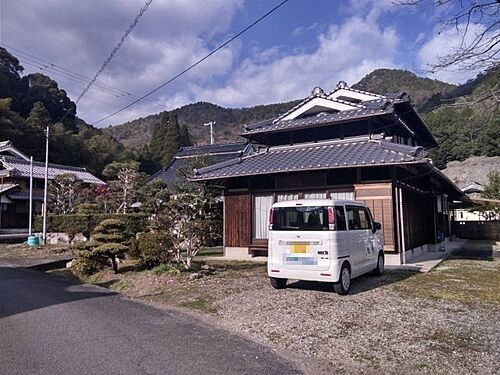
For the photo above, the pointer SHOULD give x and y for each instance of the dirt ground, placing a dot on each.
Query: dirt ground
(445, 321)
(26, 256)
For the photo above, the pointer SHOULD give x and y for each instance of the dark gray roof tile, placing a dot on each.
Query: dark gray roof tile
(325, 155)
(21, 168)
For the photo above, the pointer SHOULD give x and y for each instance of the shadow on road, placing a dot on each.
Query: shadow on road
(23, 290)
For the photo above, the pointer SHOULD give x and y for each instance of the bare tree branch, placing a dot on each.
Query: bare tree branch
(479, 48)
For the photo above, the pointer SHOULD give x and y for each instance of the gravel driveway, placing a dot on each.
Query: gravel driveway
(378, 328)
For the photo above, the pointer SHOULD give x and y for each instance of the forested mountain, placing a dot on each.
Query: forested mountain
(137, 133)
(30, 103)
(423, 91)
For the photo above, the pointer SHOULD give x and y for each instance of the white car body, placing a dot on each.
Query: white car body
(316, 252)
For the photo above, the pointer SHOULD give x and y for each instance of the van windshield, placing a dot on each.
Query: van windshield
(300, 218)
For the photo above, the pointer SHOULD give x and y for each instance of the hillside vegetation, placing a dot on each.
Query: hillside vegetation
(30, 103)
(137, 133)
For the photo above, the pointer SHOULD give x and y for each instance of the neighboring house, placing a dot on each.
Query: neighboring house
(346, 144)
(173, 174)
(465, 212)
(15, 184)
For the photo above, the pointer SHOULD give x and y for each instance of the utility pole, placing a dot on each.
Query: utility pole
(44, 233)
(31, 197)
(211, 124)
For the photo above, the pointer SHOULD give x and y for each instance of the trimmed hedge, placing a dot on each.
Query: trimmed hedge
(85, 223)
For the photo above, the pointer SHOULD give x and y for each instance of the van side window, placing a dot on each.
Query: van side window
(340, 218)
(364, 218)
(353, 218)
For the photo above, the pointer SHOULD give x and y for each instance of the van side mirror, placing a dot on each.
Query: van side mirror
(376, 226)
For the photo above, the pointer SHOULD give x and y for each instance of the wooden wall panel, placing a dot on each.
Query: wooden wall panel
(379, 198)
(237, 220)
(418, 216)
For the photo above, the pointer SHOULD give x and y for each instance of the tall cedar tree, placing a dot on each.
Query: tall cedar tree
(39, 116)
(167, 138)
(186, 137)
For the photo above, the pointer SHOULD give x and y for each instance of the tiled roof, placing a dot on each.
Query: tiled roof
(18, 167)
(355, 90)
(311, 97)
(211, 149)
(25, 195)
(368, 108)
(6, 187)
(315, 156)
(7, 146)
(212, 154)
(352, 114)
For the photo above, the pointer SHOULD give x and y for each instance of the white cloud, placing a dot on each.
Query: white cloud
(79, 35)
(443, 43)
(345, 52)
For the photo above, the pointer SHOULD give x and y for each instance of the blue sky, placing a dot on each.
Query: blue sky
(305, 43)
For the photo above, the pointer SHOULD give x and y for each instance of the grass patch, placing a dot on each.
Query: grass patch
(164, 268)
(203, 304)
(466, 280)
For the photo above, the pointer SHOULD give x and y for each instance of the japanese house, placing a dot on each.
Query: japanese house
(346, 144)
(15, 184)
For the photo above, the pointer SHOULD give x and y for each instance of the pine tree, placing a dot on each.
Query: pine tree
(39, 117)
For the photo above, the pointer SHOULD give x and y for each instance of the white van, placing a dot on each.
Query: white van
(323, 240)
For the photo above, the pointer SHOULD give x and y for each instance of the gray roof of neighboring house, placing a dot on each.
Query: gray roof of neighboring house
(212, 154)
(25, 195)
(211, 149)
(7, 146)
(17, 167)
(7, 187)
(355, 152)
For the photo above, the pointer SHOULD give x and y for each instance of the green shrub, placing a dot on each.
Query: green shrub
(164, 268)
(153, 248)
(88, 209)
(85, 223)
(107, 243)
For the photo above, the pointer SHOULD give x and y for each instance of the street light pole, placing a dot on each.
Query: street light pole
(31, 197)
(44, 232)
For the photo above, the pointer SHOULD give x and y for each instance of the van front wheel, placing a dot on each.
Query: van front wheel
(342, 286)
(277, 283)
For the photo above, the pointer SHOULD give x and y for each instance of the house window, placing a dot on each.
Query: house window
(317, 195)
(262, 207)
(287, 197)
(347, 195)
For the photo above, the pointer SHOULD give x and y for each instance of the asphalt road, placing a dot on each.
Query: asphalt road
(52, 326)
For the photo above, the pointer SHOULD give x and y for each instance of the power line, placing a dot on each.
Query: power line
(54, 68)
(196, 63)
(153, 106)
(115, 50)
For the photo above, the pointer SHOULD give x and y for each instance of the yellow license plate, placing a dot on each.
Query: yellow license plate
(299, 248)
